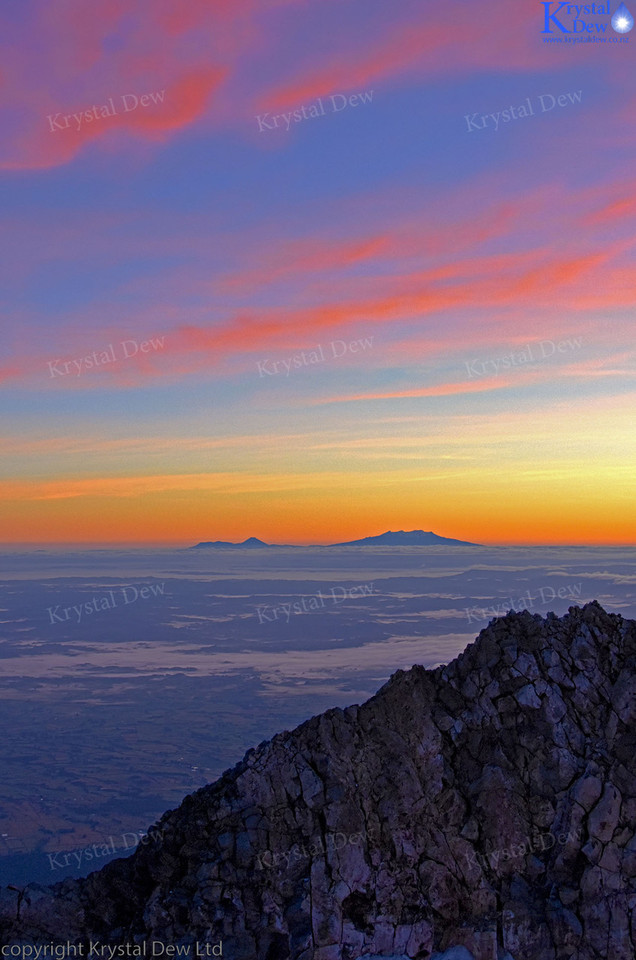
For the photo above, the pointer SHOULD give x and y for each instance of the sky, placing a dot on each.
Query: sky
(309, 270)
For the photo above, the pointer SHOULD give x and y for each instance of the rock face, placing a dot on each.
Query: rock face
(485, 810)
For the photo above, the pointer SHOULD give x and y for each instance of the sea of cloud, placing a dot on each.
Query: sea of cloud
(120, 711)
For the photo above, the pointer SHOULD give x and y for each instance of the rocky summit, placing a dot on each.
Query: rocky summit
(484, 810)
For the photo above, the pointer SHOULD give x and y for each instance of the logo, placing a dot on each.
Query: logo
(564, 18)
(622, 21)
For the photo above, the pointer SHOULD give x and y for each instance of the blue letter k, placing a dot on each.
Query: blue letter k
(551, 16)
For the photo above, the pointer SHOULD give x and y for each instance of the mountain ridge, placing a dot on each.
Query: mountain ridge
(402, 538)
(488, 804)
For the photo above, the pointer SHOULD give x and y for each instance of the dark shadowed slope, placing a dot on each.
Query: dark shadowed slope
(490, 803)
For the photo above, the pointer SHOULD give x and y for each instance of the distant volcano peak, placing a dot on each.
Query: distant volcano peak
(406, 538)
(250, 544)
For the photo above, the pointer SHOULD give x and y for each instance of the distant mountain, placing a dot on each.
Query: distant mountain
(405, 538)
(399, 538)
(252, 543)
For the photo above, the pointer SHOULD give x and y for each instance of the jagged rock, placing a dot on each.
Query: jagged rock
(604, 817)
(485, 810)
(527, 697)
(587, 791)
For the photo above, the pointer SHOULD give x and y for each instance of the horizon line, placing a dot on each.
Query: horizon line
(182, 543)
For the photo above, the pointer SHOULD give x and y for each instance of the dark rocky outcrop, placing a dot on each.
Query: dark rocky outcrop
(486, 808)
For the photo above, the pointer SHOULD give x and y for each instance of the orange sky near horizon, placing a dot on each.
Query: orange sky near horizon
(493, 477)
(489, 503)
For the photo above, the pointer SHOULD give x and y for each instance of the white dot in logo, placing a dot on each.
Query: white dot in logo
(622, 21)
